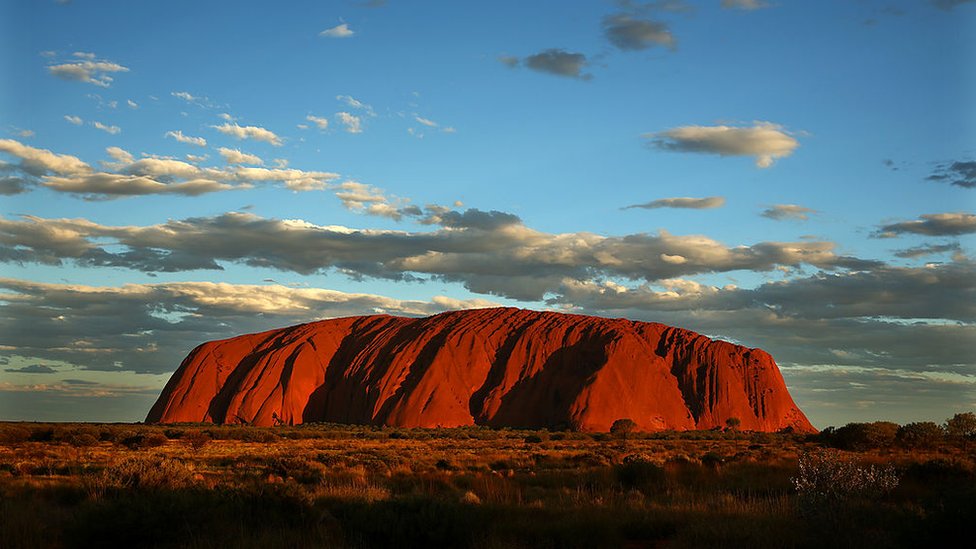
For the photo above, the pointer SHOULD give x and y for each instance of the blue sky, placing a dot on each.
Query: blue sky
(174, 172)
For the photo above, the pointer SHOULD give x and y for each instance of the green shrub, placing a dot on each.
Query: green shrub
(922, 434)
(961, 425)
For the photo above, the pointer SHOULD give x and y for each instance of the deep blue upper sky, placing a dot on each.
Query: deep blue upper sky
(444, 154)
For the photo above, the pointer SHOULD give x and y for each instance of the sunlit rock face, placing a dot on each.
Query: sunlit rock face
(496, 367)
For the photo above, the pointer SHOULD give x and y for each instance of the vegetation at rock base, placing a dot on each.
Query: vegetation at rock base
(343, 486)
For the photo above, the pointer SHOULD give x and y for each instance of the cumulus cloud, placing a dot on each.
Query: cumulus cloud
(89, 70)
(356, 104)
(782, 212)
(235, 156)
(552, 61)
(352, 122)
(114, 130)
(487, 252)
(189, 140)
(629, 33)
(886, 317)
(322, 123)
(38, 162)
(76, 120)
(961, 174)
(763, 140)
(941, 224)
(682, 202)
(151, 175)
(744, 4)
(150, 327)
(338, 31)
(249, 132)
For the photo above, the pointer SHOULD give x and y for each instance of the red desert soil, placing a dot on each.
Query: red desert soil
(497, 367)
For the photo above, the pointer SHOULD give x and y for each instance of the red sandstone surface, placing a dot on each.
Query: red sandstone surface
(496, 367)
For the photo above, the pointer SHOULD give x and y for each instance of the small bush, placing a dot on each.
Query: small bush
(637, 472)
(825, 479)
(196, 440)
(143, 473)
(13, 434)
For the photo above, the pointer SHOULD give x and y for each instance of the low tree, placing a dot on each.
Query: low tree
(862, 436)
(961, 425)
(921, 434)
(623, 427)
(733, 423)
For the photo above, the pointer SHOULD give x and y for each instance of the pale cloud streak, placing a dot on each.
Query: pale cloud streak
(114, 130)
(747, 5)
(189, 140)
(782, 212)
(706, 203)
(249, 132)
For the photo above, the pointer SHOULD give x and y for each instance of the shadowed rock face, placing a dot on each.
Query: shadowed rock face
(496, 367)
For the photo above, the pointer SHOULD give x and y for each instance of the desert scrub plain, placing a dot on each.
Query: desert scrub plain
(325, 485)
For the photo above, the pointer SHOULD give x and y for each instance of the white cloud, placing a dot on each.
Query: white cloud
(185, 96)
(120, 155)
(150, 175)
(89, 71)
(76, 120)
(249, 132)
(350, 121)
(356, 104)
(38, 162)
(114, 130)
(763, 140)
(234, 156)
(338, 31)
(132, 104)
(425, 121)
(189, 140)
(322, 123)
